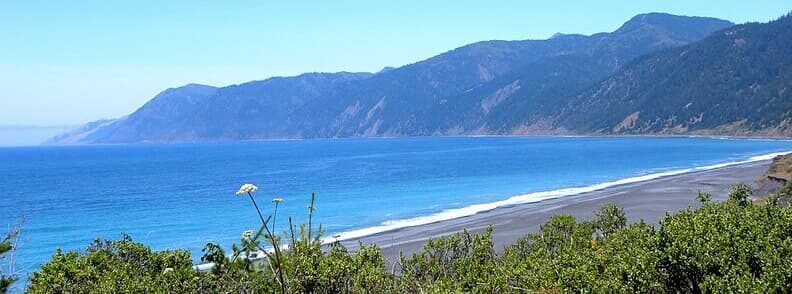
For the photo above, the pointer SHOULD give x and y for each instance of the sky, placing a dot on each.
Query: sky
(71, 62)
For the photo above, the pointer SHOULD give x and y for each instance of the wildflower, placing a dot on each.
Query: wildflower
(247, 234)
(246, 188)
(277, 200)
(249, 189)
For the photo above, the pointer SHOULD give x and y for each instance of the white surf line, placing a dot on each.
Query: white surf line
(529, 198)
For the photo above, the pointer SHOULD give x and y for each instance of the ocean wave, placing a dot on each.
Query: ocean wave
(531, 198)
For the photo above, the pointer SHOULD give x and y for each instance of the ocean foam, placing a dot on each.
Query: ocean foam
(530, 198)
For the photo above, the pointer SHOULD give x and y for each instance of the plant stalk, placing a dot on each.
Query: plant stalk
(274, 241)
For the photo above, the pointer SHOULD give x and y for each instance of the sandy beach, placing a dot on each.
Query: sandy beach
(648, 200)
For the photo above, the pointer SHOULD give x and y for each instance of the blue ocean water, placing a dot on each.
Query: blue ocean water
(182, 195)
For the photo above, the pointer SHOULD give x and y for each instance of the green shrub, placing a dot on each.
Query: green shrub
(115, 266)
(459, 263)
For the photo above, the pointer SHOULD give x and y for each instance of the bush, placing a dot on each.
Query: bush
(459, 263)
(115, 266)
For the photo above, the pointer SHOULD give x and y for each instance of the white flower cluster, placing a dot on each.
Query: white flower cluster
(247, 234)
(246, 188)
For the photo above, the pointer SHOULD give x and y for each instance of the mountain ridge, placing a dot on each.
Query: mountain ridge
(734, 82)
(487, 87)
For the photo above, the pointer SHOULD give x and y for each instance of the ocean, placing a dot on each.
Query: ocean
(182, 195)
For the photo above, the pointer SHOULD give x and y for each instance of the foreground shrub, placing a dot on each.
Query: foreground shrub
(115, 266)
(730, 246)
(458, 263)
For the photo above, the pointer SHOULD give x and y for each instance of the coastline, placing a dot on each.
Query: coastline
(533, 197)
(642, 199)
(570, 135)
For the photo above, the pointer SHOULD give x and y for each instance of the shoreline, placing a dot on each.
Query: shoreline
(646, 200)
(533, 197)
(717, 137)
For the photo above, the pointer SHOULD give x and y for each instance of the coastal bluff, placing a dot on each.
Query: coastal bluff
(776, 177)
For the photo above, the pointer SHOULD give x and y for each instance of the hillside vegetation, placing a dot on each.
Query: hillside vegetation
(737, 82)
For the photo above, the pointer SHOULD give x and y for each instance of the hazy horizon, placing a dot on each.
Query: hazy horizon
(16, 135)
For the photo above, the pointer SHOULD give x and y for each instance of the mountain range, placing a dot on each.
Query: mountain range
(656, 74)
(738, 81)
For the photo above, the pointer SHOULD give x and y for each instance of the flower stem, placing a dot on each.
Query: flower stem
(263, 222)
(275, 215)
(310, 216)
(274, 241)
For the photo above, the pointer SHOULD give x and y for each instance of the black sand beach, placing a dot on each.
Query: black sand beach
(648, 200)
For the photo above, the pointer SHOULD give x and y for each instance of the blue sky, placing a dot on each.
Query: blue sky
(69, 62)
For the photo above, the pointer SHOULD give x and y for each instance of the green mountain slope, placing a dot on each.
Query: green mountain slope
(737, 82)
(490, 87)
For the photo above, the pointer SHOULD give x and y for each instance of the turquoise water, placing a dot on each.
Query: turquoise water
(182, 195)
